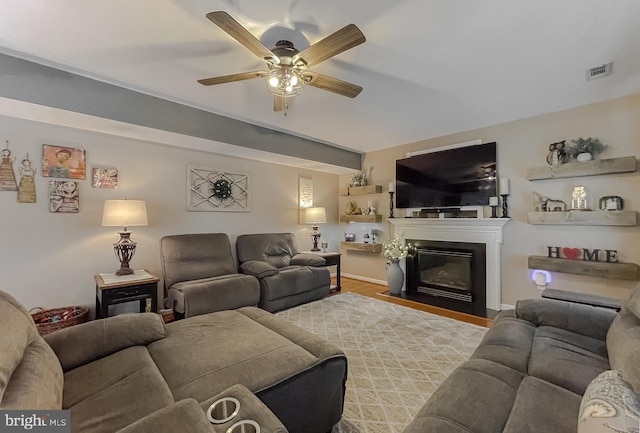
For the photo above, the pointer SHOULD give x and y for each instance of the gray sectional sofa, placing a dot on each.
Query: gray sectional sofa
(545, 367)
(133, 373)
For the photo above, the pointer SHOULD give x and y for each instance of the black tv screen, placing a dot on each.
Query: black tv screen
(463, 176)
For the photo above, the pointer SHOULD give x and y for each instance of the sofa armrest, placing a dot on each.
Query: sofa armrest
(306, 259)
(87, 342)
(258, 268)
(578, 318)
(184, 415)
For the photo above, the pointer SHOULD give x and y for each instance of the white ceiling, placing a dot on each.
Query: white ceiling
(428, 67)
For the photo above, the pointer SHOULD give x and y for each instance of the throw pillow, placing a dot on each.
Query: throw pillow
(609, 405)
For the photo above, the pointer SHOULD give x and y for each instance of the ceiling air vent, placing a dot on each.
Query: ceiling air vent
(598, 71)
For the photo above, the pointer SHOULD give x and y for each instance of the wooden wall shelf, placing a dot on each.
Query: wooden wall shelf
(591, 218)
(360, 218)
(361, 190)
(361, 246)
(596, 167)
(621, 271)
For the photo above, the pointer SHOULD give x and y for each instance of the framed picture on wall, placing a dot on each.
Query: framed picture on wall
(64, 196)
(104, 177)
(212, 190)
(63, 162)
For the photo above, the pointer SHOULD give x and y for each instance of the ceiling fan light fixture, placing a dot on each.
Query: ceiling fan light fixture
(284, 81)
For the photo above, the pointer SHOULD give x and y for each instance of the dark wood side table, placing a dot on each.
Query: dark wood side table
(112, 290)
(331, 259)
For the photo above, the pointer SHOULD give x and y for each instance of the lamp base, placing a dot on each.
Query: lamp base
(124, 271)
(315, 236)
(124, 249)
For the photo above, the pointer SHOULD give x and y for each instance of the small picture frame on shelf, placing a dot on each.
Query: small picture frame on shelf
(610, 202)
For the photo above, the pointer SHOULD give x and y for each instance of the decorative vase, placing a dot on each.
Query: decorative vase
(585, 156)
(395, 277)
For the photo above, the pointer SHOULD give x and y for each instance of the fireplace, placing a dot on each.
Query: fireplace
(451, 275)
(483, 232)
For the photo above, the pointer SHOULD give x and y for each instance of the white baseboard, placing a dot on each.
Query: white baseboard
(361, 278)
(507, 307)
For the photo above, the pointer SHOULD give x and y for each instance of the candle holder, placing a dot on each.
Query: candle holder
(391, 204)
(505, 206)
(494, 211)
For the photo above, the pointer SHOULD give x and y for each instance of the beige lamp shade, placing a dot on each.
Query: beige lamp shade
(124, 213)
(315, 215)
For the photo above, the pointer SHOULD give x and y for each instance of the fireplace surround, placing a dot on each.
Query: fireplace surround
(485, 231)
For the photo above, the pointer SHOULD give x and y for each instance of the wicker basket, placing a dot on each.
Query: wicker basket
(48, 321)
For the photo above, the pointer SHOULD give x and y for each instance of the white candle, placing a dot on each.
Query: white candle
(392, 187)
(493, 201)
(504, 186)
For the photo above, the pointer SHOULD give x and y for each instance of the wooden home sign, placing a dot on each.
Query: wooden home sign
(595, 255)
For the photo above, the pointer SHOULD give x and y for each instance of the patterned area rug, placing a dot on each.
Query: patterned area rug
(397, 356)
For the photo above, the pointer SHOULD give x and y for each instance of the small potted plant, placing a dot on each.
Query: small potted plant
(583, 149)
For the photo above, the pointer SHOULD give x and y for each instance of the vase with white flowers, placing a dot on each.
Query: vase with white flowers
(395, 250)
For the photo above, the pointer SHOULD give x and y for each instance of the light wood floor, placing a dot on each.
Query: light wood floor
(378, 291)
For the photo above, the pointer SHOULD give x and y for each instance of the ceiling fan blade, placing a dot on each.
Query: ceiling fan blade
(279, 103)
(242, 35)
(347, 37)
(331, 84)
(231, 78)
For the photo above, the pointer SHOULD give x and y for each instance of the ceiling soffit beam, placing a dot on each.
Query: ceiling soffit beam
(43, 85)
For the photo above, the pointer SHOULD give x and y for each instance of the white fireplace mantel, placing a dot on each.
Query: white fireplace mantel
(486, 231)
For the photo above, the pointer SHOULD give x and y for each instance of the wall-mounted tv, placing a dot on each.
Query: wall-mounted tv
(462, 176)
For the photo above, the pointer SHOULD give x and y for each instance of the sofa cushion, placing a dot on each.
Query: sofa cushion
(609, 404)
(78, 345)
(37, 381)
(195, 256)
(183, 416)
(476, 398)
(18, 332)
(576, 318)
(114, 391)
(567, 359)
(292, 281)
(509, 343)
(307, 259)
(623, 344)
(274, 248)
(206, 354)
(258, 269)
(540, 406)
(207, 295)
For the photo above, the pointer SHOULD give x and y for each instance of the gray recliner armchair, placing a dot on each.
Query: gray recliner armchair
(287, 277)
(200, 275)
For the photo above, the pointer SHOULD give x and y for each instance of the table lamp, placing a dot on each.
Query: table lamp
(315, 216)
(125, 213)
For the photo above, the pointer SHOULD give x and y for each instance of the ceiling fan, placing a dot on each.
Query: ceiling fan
(287, 68)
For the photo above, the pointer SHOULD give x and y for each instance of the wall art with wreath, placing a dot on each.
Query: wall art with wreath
(211, 190)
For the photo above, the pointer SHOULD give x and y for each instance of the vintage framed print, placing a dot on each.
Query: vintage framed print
(64, 196)
(211, 190)
(104, 177)
(63, 162)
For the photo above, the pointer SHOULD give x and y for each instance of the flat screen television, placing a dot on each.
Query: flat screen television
(463, 176)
